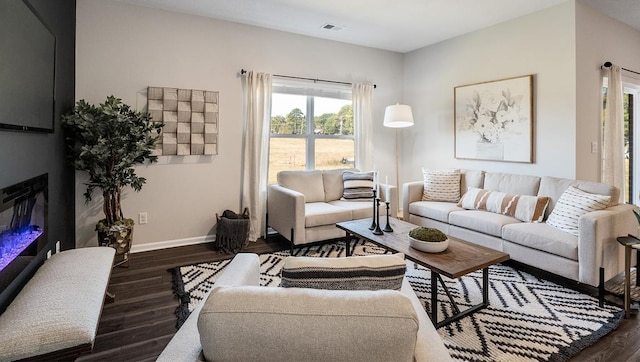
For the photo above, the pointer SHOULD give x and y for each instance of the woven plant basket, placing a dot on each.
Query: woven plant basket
(232, 231)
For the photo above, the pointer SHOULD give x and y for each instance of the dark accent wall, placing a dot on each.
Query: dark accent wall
(24, 155)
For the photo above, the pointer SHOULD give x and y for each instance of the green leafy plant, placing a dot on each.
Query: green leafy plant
(106, 141)
(637, 214)
(427, 234)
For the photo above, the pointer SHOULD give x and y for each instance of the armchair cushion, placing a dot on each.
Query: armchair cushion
(333, 184)
(371, 272)
(295, 324)
(308, 183)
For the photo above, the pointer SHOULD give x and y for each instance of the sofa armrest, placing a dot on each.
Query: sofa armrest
(286, 211)
(185, 345)
(411, 192)
(597, 245)
(390, 193)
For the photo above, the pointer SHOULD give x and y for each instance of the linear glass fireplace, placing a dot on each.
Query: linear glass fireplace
(23, 226)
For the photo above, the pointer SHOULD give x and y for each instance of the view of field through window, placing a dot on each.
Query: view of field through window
(322, 140)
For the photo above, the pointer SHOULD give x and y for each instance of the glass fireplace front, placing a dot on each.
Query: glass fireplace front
(23, 226)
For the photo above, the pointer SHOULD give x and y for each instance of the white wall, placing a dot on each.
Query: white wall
(542, 44)
(122, 49)
(599, 38)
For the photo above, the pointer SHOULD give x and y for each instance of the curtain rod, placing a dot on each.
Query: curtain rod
(609, 64)
(242, 71)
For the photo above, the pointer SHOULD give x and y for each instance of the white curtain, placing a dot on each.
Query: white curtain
(361, 95)
(255, 144)
(613, 133)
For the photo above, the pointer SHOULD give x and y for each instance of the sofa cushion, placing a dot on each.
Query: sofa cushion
(437, 210)
(471, 178)
(553, 187)
(360, 208)
(357, 185)
(572, 205)
(441, 185)
(333, 184)
(542, 237)
(253, 323)
(525, 208)
(512, 183)
(309, 183)
(482, 221)
(371, 272)
(321, 213)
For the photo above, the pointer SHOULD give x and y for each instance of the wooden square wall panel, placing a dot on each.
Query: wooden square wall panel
(190, 120)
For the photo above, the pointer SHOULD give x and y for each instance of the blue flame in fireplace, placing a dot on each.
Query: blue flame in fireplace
(13, 243)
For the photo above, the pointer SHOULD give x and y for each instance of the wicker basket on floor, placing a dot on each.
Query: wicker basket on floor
(232, 231)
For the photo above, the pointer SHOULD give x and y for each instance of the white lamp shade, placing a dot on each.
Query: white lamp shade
(398, 116)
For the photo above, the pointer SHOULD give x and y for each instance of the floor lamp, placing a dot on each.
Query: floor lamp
(398, 116)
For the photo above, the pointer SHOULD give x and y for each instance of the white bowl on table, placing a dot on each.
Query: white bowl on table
(429, 246)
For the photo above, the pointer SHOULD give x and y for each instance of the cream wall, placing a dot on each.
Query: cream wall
(121, 49)
(542, 44)
(599, 38)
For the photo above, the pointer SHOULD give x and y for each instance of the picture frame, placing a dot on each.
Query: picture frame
(493, 120)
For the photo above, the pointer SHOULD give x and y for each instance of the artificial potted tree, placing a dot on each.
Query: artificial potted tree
(107, 141)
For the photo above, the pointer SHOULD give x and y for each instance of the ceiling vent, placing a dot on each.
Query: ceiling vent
(332, 27)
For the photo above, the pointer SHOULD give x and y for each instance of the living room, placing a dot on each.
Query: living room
(121, 49)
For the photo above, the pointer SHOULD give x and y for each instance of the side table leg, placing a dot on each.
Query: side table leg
(627, 281)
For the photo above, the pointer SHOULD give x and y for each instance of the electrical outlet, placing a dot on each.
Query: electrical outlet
(594, 147)
(142, 218)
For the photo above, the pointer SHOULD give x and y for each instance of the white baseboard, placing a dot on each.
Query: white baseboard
(172, 243)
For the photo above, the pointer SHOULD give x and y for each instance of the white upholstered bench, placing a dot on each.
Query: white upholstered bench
(55, 316)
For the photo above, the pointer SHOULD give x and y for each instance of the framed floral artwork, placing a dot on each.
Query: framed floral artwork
(494, 120)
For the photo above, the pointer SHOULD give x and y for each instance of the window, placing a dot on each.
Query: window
(311, 127)
(631, 138)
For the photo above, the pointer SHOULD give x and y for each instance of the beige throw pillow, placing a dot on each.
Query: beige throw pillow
(441, 185)
(525, 208)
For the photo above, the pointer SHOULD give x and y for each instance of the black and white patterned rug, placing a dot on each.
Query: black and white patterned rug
(528, 319)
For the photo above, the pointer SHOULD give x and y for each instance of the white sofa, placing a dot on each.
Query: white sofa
(592, 257)
(304, 206)
(241, 279)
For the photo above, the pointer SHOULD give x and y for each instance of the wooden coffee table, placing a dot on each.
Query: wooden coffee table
(459, 259)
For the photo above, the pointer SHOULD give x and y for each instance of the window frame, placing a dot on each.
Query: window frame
(311, 90)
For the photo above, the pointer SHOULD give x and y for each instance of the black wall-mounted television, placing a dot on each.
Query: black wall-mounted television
(27, 69)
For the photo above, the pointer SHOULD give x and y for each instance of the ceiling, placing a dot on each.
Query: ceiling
(395, 25)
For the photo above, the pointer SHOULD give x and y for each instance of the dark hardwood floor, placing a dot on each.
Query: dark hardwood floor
(141, 321)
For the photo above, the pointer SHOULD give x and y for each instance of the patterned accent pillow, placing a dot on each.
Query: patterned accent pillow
(523, 207)
(357, 185)
(441, 185)
(571, 205)
(371, 272)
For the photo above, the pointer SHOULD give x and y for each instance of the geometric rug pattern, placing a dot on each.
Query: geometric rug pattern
(528, 318)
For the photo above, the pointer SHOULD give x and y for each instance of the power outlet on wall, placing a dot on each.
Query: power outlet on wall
(142, 218)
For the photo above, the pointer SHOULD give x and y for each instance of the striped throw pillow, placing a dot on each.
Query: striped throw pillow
(525, 208)
(572, 204)
(441, 185)
(371, 272)
(357, 185)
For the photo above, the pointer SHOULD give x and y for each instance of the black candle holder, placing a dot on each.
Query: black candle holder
(387, 228)
(373, 216)
(377, 230)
